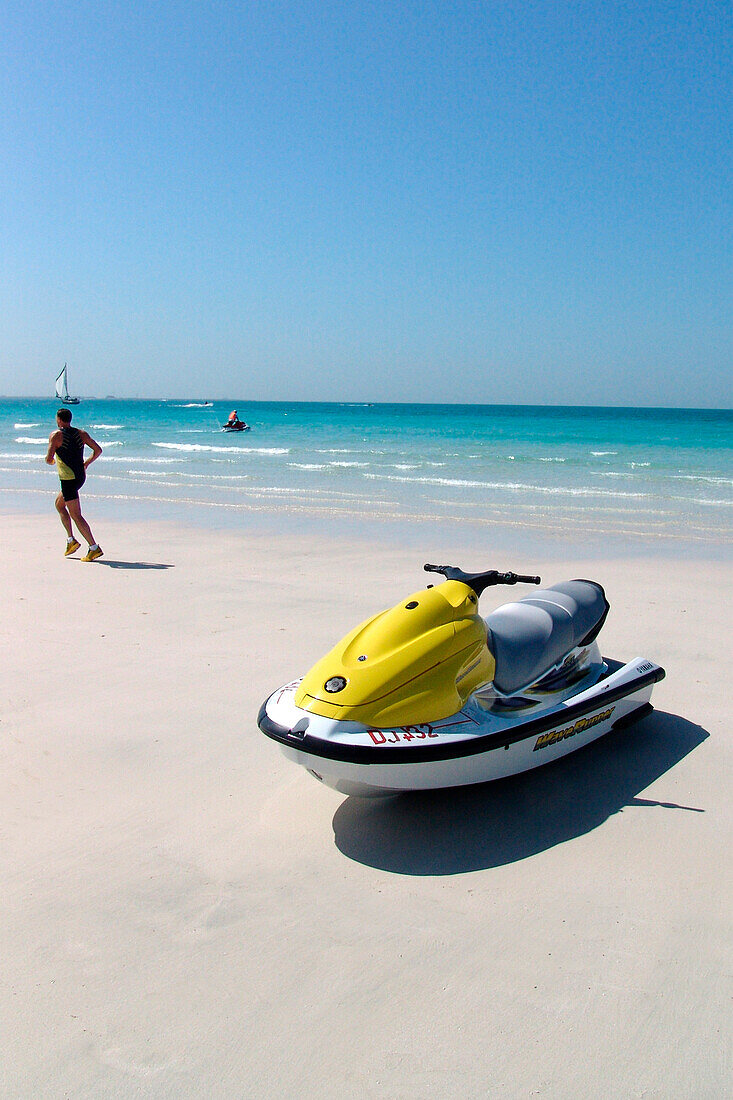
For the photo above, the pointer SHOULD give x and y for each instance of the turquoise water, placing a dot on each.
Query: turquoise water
(636, 473)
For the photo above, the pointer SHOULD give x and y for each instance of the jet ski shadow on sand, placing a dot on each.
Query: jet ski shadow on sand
(452, 831)
(465, 742)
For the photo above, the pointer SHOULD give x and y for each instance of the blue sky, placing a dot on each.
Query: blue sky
(503, 202)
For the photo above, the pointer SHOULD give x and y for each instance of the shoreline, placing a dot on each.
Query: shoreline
(177, 892)
(554, 534)
(566, 479)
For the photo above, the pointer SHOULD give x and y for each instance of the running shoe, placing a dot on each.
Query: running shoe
(93, 553)
(71, 547)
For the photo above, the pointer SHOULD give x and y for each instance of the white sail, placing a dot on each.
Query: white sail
(62, 389)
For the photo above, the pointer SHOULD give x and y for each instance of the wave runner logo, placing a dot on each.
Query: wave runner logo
(580, 726)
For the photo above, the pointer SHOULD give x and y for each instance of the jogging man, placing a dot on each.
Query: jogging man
(66, 448)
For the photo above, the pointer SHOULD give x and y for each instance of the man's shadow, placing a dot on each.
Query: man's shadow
(448, 832)
(132, 564)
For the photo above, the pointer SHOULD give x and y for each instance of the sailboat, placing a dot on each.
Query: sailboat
(62, 390)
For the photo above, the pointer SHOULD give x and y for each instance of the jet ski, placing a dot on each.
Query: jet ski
(237, 426)
(428, 694)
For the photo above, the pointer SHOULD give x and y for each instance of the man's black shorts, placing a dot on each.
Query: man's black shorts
(70, 489)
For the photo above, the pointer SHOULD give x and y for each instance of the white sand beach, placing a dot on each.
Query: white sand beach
(185, 913)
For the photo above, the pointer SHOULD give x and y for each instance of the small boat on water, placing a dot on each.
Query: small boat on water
(62, 389)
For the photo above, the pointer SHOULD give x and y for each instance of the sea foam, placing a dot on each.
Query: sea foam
(193, 447)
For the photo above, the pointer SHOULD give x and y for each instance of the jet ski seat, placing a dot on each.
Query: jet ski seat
(531, 636)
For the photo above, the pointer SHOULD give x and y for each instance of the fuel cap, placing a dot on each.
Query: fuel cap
(336, 683)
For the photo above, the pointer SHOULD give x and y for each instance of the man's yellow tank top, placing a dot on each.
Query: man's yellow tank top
(65, 474)
(70, 455)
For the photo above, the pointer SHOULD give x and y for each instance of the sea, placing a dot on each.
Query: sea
(608, 476)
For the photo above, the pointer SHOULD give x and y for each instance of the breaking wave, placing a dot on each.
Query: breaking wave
(193, 447)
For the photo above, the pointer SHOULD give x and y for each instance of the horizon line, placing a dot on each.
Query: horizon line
(374, 404)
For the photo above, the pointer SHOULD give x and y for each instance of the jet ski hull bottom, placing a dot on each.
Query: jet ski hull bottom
(473, 746)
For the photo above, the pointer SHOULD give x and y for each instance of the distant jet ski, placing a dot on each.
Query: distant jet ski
(233, 424)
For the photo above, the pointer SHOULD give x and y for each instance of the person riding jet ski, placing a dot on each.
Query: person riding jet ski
(234, 424)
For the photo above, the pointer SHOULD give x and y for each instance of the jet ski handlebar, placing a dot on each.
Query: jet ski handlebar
(479, 581)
